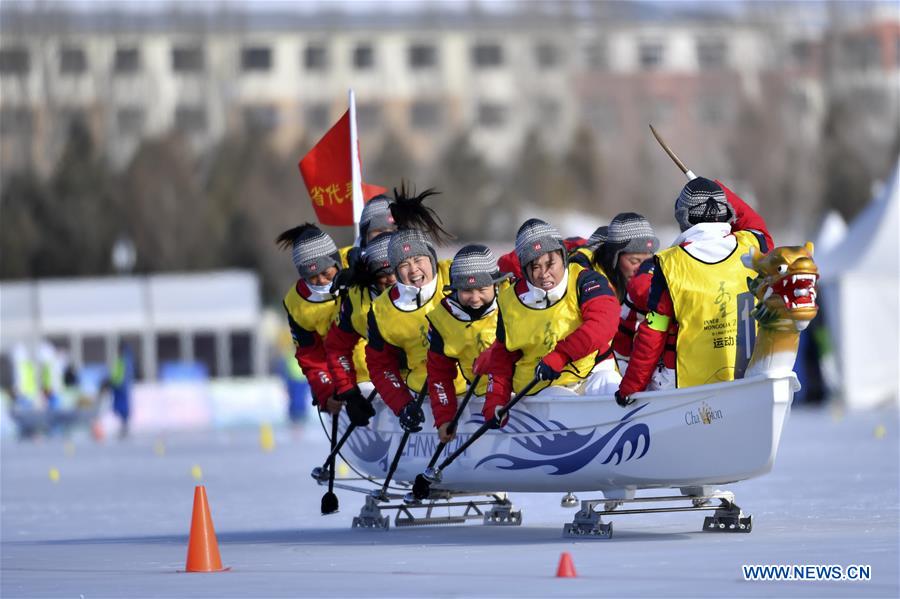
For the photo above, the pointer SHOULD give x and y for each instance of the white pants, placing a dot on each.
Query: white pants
(603, 380)
(663, 378)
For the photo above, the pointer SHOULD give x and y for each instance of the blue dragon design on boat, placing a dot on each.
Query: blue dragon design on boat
(565, 450)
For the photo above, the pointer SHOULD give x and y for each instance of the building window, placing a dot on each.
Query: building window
(188, 59)
(168, 350)
(801, 53)
(315, 57)
(363, 57)
(260, 118)
(491, 115)
(256, 58)
(422, 56)
(205, 352)
(603, 116)
(425, 115)
(547, 55)
(130, 121)
(190, 119)
(72, 61)
(487, 55)
(14, 61)
(596, 56)
(861, 53)
(367, 115)
(93, 349)
(127, 60)
(712, 54)
(650, 55)
(317, 116)
(658, 111)
(711, 111)
(548, 112)
(15, 121)
(241, 354)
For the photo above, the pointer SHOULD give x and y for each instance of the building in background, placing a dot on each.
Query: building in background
(423, 75)
(207, 322)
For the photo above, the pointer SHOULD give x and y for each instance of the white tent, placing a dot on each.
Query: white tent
(859, 285)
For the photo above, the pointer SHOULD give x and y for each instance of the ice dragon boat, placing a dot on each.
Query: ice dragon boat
(692, 439)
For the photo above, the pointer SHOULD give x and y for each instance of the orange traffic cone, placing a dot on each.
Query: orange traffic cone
(566, 568)
(203, 548)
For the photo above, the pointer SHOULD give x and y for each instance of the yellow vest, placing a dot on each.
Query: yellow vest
(345, 263)
(585, 251)
(409, 330)
(464, 340)
(535, 331)
(312, 316)
(704, 297)
(361, 302)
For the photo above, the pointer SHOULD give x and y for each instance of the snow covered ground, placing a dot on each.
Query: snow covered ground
(115, 524)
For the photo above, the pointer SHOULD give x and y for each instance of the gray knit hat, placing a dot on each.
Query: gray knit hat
(536, 238)
(702, 201)
(474, 266)
(407, 243)
(376, 254)
(313, 252)
(376, 214)
(631, 233)
(598, 237)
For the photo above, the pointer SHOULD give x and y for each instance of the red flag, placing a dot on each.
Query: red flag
(326, 172)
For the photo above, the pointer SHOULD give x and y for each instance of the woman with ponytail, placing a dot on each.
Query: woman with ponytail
(398, 324)
(311, 306)
(369, 276)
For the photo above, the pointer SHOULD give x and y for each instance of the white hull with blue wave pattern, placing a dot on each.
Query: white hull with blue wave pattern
(708, 435)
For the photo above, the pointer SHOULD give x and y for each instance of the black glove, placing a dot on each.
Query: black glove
(359, 411)
(342, 281)
(543, 372)
(624, 401)
(412, 417)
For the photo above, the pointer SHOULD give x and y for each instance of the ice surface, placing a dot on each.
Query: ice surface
(116, 524)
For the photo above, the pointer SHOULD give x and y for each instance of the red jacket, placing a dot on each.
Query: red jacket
(509, 262)
(310, 355)
(339, 345)
(650, 344)
(385, 362)
(442, 372)
(634, 309)
(600, 318)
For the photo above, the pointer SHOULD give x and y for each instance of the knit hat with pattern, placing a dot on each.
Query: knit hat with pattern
(474, 266)
(702, 201)
(536, 238)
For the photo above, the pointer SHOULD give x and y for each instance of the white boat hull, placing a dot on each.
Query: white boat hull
(707, 435)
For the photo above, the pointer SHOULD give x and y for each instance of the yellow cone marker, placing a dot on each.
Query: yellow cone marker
(54, 475)
(69, 448)
(159, 448)
(196, 472)
(266, 437)
(880, 431)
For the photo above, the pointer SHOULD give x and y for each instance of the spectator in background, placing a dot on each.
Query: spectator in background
(120, 380)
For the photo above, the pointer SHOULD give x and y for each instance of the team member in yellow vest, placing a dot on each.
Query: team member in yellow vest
(553, 324)
(398, 327)
(376, 218)
(346, 339)
(311, 307)
(696, 284)
(462, 327)
(585, 254)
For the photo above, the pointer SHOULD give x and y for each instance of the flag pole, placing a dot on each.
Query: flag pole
(356, 175)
